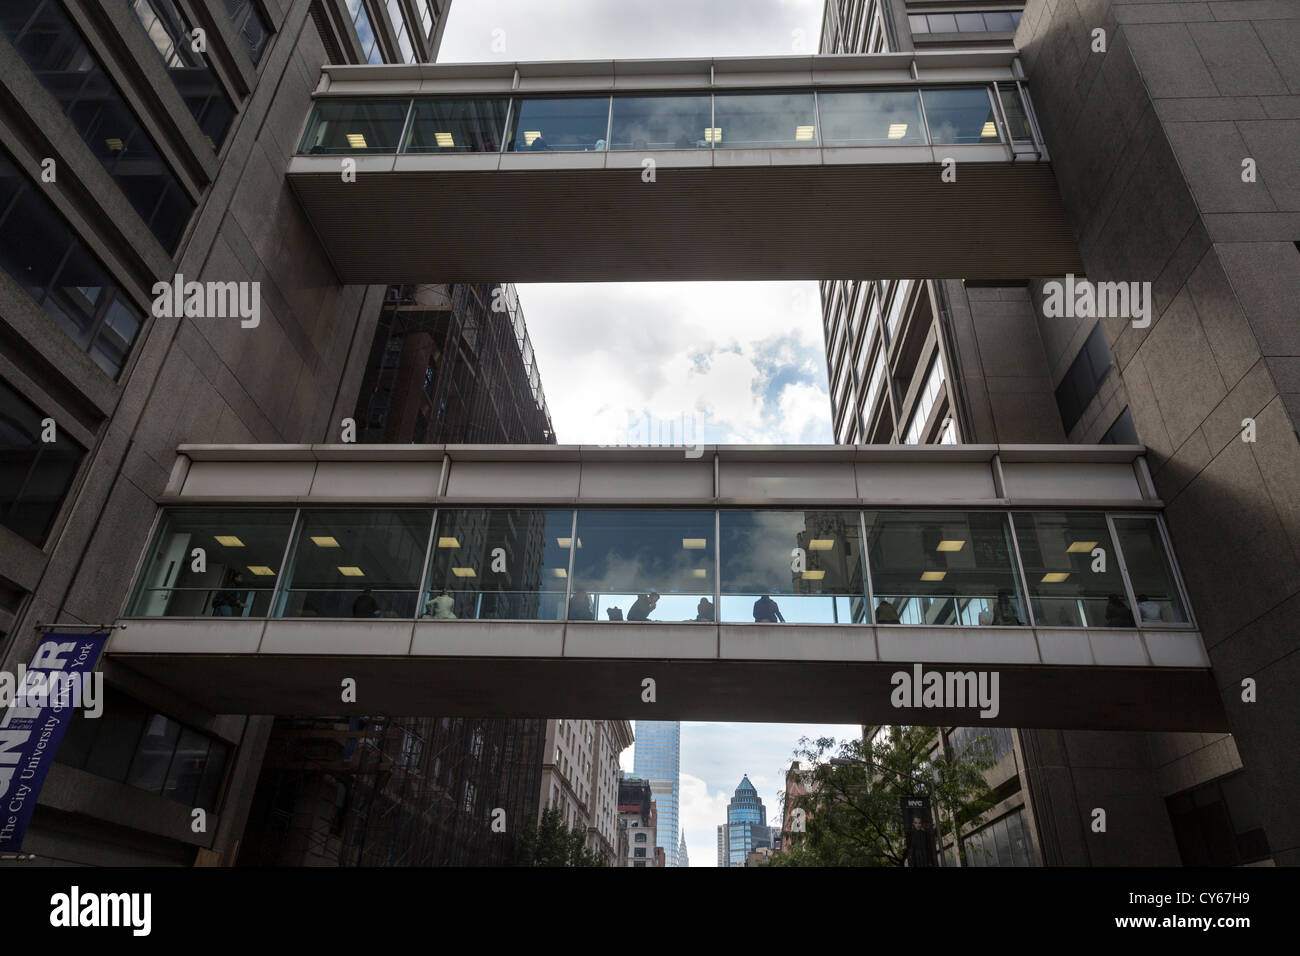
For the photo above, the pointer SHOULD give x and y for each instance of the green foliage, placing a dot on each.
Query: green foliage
(552, 843)
(852, 807)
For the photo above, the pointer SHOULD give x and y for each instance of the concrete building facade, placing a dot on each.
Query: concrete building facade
(165, 165)
(580, 777)
(1169, 133)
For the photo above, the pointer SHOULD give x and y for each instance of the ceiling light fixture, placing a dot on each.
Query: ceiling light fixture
(229, 541)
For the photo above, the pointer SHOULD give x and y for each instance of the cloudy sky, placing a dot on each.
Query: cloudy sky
(652, 362)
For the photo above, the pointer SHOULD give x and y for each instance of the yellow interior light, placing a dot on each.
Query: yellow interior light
(953, 545)
(933, 575)
(1055, 577)
(988, 131)
(713, 134)
(356, 140)
(695, 544)
(804, 132)
(897, 130)
(261, 570)
(444, 140)
(821, 544)
(1081, 547)
(814, 575)
(531, 135)
(324, 541)
(464, 572)
(448, 542)
(700, 572)
(351, 571)
(229, 541)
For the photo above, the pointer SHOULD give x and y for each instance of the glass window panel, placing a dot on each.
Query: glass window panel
(1002, 842)
(34, 475)
(242, 549)
(122, 721)
(252, 29)
(58, 55)
(526, 580)
(999, 21)
(357, 563)
(940, 567)
(1056, 548)
(186, 770)
(457, 126)
(1121, 431)
(568, 123)
(1149, 571)
(214, 770)
(942, 23)
(153, 754)
(871, 118)
(661, 122)
(970, 23)
(960, 116)
(758, 583)
(169, 31)
(643, 565)
(918, 23)
(355, 126)
(764, 120)
(1017, 121)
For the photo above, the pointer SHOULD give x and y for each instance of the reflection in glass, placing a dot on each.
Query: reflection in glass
(355, 126)
(871, 118)
(1068, 585)
(960, 116)
(35, 475)
(765, 580)
(356, 563)
(643, 566)
(936, 567)
(569, 123)
(457, 126)
(242, 551)
(764, 120)
(524, 580)
(661, 122)
(1149, 571)
(1017, 121)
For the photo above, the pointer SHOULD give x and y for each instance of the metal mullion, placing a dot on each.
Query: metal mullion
(510, 115)
(406, 126)
(1020, 568)
(568, 581)
(866, 566)
(426, 569)
(925, 118)
(1123, 571)
(1174, 569)
(717, 570)
(817, 117)
(609, 124)
(277, 593)
(1001, 116)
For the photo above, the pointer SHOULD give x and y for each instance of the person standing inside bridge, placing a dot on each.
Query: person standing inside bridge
(642, 606)
(227, 602)
(704, 611)
(580, 606)
(440, 608)
(766, 611)
(365, 605)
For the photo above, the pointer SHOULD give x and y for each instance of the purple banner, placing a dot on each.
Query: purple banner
(41, 700)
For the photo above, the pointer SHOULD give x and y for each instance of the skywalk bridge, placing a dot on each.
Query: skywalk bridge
(508, 581)
(796, 167)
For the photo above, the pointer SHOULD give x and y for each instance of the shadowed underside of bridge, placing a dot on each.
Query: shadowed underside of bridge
(1095, 698)
(999, 220)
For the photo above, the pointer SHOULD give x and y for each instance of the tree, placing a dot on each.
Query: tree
(852, 815)
(553, 843)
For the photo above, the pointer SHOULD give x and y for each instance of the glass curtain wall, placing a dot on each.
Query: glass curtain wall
(926, 567)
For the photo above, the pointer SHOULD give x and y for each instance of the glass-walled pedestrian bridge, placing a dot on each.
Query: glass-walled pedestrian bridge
(792, 167)
(749, 583)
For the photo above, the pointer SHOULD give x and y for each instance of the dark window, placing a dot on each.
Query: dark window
(131, 743)
(169, 30)
(943, 23)
(918, 23)
(34, 475)
(251, 27)
(640, 851)
(48, 41)
(1000, 21)
(1121, 432)
(970, 23)
(1087, 372)
(1218, 823)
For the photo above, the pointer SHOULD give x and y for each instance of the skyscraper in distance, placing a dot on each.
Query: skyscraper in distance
(746, 828)
(658, 759)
